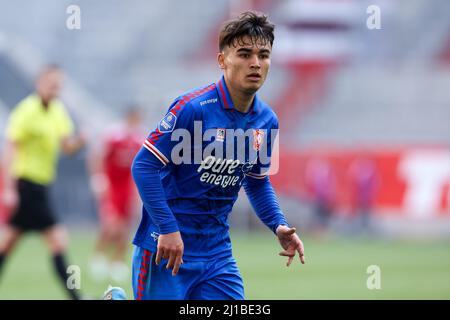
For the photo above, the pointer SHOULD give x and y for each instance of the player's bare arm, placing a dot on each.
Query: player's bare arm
(71, 145)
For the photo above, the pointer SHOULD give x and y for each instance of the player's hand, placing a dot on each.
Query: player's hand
(171, 247)
(291, 244)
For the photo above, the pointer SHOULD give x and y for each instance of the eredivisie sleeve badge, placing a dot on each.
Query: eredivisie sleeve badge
(167, 124)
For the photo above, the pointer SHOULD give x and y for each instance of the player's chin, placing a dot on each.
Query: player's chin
(252, 86)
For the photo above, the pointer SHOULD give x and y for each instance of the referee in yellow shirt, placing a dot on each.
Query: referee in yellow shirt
(38, 127)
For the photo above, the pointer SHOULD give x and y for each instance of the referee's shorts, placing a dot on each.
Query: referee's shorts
(34, 212)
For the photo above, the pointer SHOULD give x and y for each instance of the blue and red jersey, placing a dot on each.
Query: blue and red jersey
(192, 166)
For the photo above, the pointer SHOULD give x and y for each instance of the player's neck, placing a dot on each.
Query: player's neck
(242, 101)
(45, 103)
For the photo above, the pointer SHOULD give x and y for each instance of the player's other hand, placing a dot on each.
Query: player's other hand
(171, 247)
(291, 244)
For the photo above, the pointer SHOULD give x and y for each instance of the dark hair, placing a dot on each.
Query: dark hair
(249, 23)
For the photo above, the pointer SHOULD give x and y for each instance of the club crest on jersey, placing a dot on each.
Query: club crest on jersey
(258, 136)
(220, 135)
(167, 124)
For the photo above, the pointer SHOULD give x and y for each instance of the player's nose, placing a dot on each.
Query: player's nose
(255, 63)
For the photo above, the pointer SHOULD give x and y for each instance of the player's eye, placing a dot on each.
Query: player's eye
(264, 56)
(244, 55)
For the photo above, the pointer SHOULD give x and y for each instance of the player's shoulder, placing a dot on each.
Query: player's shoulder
(58, 104)
(27, 102)
(198, 97)
(25, 107)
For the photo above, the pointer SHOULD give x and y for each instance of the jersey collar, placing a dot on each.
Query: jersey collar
(225, 98)
(224, 94)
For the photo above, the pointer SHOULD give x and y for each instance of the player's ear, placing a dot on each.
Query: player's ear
(221, 60)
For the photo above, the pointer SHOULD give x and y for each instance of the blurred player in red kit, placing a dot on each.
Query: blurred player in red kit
(365, 182)
(116, 194)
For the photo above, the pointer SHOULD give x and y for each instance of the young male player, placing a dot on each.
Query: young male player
(112, 182)
(183, 248)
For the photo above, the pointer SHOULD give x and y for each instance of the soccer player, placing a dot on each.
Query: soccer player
(37, 128)
(182, 246)
(112, 183)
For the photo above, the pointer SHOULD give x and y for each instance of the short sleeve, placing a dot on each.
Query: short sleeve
(65, 124)
(16, 129)
(177, 121)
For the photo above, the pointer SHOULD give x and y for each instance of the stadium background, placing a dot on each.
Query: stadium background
(342, 92)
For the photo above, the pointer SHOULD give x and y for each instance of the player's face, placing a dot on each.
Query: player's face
(49, 85)
(246, 64)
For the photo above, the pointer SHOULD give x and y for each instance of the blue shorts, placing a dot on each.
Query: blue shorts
(196, 280)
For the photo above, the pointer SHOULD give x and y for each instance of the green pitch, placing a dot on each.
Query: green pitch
(336, 268)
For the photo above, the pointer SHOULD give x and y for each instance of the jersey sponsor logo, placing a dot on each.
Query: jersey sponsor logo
(202, 103)
(258, 136)
(219, 172)
(167, 124)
